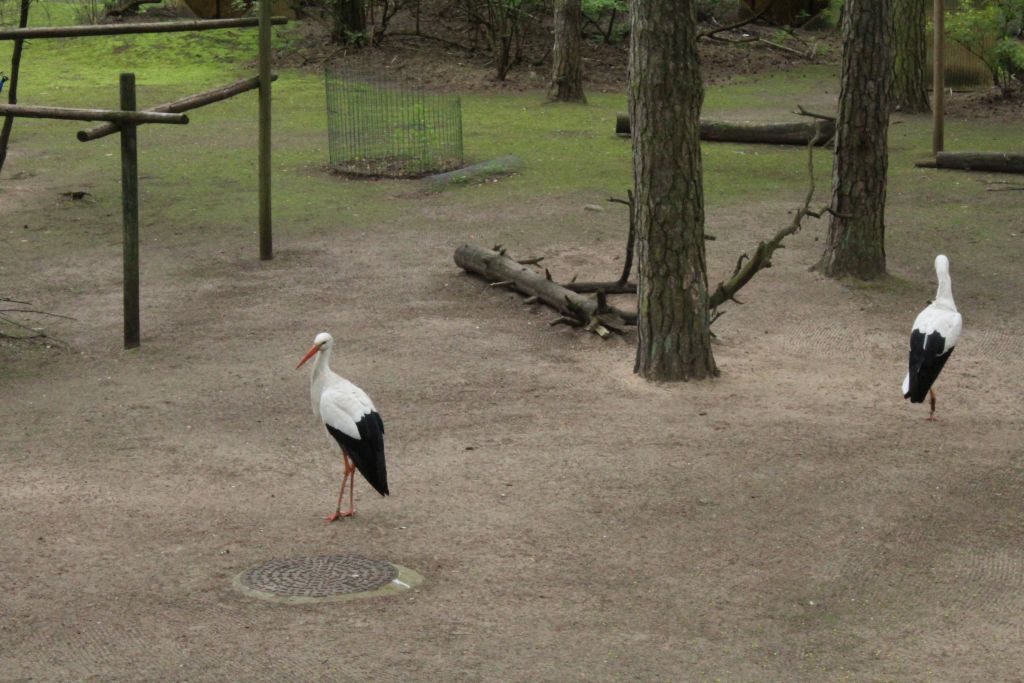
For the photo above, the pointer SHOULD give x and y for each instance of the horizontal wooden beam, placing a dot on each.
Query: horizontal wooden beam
(118, 29)
(178, 106)
(28, 112)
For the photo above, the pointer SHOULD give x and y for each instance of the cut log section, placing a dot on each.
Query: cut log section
(495, 266)
(976, 161)
(795, 133)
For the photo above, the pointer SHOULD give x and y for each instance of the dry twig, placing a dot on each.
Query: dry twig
(748, 266)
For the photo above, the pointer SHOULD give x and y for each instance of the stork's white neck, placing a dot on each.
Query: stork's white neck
(944, 294)
(323, 359)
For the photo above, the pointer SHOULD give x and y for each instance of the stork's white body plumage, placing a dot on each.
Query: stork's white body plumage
(936, 331)
(350, 417)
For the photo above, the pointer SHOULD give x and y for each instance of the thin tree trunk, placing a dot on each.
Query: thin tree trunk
(856, 231)
(910, 73)
(12, 92)
(665, 97)
(567, 77)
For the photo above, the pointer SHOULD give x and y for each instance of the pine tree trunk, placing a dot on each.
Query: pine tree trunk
(856, 236)
(665, 97)
(567, 78)
(910, 73)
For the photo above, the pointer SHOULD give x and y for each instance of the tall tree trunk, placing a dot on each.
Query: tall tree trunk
(12, 91)
(567, 79)
(665, 97)
(910, 73)
(856, 231)
(349, 21)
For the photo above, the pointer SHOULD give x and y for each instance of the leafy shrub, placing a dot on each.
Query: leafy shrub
(603, 15)
(833, 14)
(90, 11)
(502, 25)
(352, 22)
(991, 30)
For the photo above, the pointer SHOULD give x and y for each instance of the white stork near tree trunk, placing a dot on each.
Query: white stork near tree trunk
(349, 416)
(936, 331)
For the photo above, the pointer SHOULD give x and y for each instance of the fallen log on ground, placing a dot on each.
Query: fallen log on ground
(595, 314)
(501, 166)
(790, 133)
(592, 313)
(976, 161)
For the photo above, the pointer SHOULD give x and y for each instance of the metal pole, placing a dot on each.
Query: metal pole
(938, 75)
(130, 207)
(266, 236)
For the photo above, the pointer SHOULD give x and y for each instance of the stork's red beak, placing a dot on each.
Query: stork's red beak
(310, 354)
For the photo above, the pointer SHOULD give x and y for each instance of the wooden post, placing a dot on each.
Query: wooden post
(938, 75)
(12, 91)
(130, 207)
(266, 236)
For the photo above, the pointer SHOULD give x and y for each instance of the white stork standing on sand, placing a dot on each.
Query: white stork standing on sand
(936, 331)
(349, 416)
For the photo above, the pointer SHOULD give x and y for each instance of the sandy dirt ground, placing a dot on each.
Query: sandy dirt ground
(794, 520)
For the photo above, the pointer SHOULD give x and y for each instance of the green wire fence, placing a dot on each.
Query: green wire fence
(379, 128)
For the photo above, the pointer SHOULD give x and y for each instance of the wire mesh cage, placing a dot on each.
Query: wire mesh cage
(378, 128)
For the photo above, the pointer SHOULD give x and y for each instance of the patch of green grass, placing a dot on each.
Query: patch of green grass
(76, 71)
(778, 92)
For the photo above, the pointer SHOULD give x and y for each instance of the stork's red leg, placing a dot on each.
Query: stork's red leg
(931, 400)
(349, 473)
(351, 492)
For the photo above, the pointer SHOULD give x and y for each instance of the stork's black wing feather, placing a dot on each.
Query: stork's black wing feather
(367, 452)
(926, 361)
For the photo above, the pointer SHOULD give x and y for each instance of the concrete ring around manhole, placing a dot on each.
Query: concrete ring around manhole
(324, 578)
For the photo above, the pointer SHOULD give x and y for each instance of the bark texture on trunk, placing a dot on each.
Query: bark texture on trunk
(665, 97)
(856, 232)
(910, 73)
(567, 76)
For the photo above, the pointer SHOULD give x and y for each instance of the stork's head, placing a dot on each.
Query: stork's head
(322, 342)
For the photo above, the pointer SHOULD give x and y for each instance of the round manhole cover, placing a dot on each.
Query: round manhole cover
(322, 578)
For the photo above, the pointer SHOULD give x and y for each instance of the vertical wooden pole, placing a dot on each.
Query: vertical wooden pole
(266, 237)
(938, 75)
(130, 209)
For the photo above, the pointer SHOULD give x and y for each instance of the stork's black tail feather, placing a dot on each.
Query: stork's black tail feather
(367, 452)
(926, 362)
